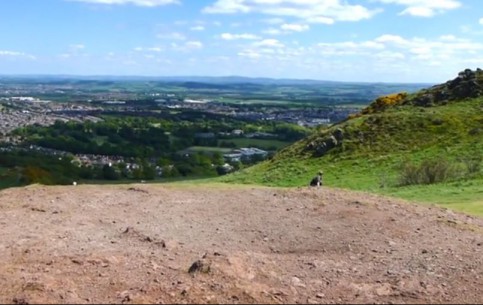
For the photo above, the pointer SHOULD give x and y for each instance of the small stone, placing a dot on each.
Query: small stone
(297, 282)
(199, 266)
(19, 301)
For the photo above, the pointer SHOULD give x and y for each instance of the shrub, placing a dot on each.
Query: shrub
(34, 174)
(473, 165)
(384, 102)
(428, 172)
(409, 174)
(434, 171)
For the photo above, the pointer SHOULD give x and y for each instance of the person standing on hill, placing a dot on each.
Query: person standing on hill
(317, 180)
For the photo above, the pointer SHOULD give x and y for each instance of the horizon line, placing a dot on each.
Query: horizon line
(73, 76)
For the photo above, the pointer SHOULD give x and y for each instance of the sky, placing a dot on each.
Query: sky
(407, 41)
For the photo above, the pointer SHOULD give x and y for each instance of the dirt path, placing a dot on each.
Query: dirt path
(136, 244)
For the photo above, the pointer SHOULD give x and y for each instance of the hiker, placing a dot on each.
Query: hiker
(317, 180)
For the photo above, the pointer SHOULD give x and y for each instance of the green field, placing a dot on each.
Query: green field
(207, 149)
(465, 196)
(265, 144)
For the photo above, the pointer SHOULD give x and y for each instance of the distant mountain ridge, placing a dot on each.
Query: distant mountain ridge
(195, 79)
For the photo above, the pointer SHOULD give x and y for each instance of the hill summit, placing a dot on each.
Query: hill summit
(467, 85)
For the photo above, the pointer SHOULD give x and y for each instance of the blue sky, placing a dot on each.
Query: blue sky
(342, 40)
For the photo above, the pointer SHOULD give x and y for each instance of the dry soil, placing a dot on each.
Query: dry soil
(232, 244)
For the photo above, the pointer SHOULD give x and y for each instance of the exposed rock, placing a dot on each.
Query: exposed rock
(200, 266)
(21, 301)
(468, 84)
(321, 147)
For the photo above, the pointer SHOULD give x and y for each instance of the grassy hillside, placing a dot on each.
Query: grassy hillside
(388, 148)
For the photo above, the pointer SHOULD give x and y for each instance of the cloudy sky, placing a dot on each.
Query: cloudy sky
(342, 40)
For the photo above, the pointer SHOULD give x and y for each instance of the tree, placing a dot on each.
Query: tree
(109, 173)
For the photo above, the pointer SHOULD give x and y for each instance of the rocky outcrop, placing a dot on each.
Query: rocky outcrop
(468, 84)
(323, 145)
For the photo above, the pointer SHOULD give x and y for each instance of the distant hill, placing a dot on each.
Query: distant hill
(376, 150)
(229, 88)
(195, 79)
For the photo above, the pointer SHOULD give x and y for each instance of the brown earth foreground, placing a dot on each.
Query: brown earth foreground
(232, 244)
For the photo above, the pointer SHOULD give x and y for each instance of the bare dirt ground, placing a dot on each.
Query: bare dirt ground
(227, 244)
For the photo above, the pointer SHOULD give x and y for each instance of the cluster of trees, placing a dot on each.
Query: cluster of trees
(143, 137)
(23, 167)
(149, 147)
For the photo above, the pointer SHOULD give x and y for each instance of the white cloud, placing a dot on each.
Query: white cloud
(287, 28)
(274, 21)
(249, 54)
(390, 56)
(173, 36)
(274, 43)
(197, 28)
(313, 11)
(447, 37)
(294, 27)
(77, 47)
(229, 36)
(227, 7)
(74, 50)
(151, 49)
(146, 3)
(387, 38)
(154, 49)
(481, 21)
(272, 31)
(350, 48)
(415, 52)
(194, 45)
(15, 54)
(424, 8)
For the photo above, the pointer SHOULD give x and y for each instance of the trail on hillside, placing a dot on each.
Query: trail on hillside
(230, 244)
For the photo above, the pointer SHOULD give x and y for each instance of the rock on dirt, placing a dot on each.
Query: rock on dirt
(153, 244)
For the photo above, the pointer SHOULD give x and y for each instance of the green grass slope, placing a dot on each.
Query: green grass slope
(377, 149)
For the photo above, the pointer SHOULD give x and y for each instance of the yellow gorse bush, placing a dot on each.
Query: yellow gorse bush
(384, 102)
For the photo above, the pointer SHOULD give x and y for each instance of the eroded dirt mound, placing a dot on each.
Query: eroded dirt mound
(225, 244)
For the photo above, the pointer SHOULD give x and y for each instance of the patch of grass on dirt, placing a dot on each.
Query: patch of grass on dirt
(464, 196)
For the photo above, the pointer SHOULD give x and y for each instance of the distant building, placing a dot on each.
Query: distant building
(234, 157)
(247, 153)
(264, 135)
